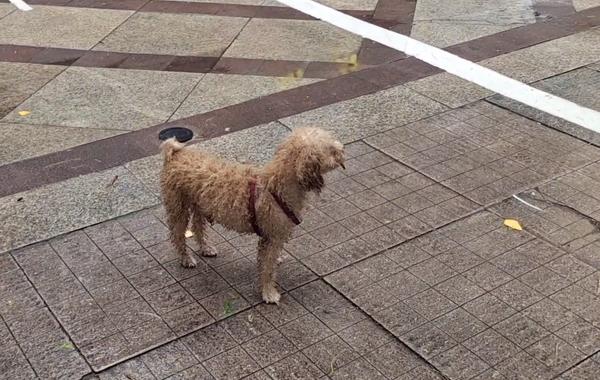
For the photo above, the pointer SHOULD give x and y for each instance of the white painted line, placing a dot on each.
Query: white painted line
(527, 203)
(21, 5)
(454, 64)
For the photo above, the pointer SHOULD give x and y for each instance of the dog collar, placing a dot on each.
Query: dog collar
(280, 202)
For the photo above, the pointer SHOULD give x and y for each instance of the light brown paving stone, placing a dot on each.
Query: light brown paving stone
(111, 99)
(220, 90)
(23, 80)
(75, 28)
(182, 34)
(293, 40)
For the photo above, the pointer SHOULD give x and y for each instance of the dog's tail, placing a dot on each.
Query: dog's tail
(169, 147)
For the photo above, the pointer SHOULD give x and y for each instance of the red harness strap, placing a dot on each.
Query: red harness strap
(252, 208)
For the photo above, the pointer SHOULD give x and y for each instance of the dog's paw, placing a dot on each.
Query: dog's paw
(271, 295)
(208, 251)
(188, 261)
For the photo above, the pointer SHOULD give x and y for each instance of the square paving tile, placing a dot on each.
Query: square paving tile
(62, 27)
(177, 34)
(293, 40)
(220, 90)
(269, 348)
(296, 365)
(232, 364)
(147, 98)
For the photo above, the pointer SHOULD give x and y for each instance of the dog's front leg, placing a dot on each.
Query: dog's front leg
(268, 253)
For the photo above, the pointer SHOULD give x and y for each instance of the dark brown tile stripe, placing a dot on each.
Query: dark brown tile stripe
(158, 62)
(118, 150)
(217, 9)
(396, 15)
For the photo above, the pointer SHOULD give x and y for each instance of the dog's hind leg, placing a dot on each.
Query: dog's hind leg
(199, 230)
(178, 217)
(268, 253)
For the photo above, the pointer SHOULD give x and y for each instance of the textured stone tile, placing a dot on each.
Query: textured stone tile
(133, 369)
(517, 294)
(294, 366)
(204, 284)
(140, 88)
(330, 350)
(570, 267)
(287, 310)
(445, 25)
(521, 330)
(399, 318)
(365, 336)
(169, 359)
(422, 372)
(195, 372)
(224, 303)
(487, 276)
(555, 353)
(114, 293)
(459, 363)
(545, 281)
(187, 319)
(162, 33)
(305, 331)
(432, 271)
(63, 27)
(33, 323)
(587, 370)
(582, 335)
(404, 285)
(491, 347)
(359, 368)
(220, 90)
(356, 118)
(514, 263)
(549, 314)
(428, 340)
(246, 325)
(292, 40)
(523, 366)
(393, 359)
(269, 348)
(209, 342)
(36, 218)
(489, 309)
(232, 364)
(459, 324)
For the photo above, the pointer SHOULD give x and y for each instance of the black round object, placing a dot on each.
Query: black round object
(180, 134)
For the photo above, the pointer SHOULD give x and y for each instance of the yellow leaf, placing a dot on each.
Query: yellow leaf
(24, 113)
(188, 234)
(513, 224)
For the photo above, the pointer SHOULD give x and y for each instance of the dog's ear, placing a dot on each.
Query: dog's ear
(309, 174)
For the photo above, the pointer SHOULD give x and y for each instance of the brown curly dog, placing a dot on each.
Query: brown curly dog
(264, 200)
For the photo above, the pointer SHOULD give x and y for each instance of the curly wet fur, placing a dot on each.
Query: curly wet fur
(199, 187)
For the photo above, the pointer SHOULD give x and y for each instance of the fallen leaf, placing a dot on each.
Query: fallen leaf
(513, 224)
(250, 318)
(24, 113)
(67, 346)
(188, 234)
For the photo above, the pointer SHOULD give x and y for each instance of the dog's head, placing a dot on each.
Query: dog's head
(314, 152)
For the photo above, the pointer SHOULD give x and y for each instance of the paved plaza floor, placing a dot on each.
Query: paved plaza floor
(402, 267)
